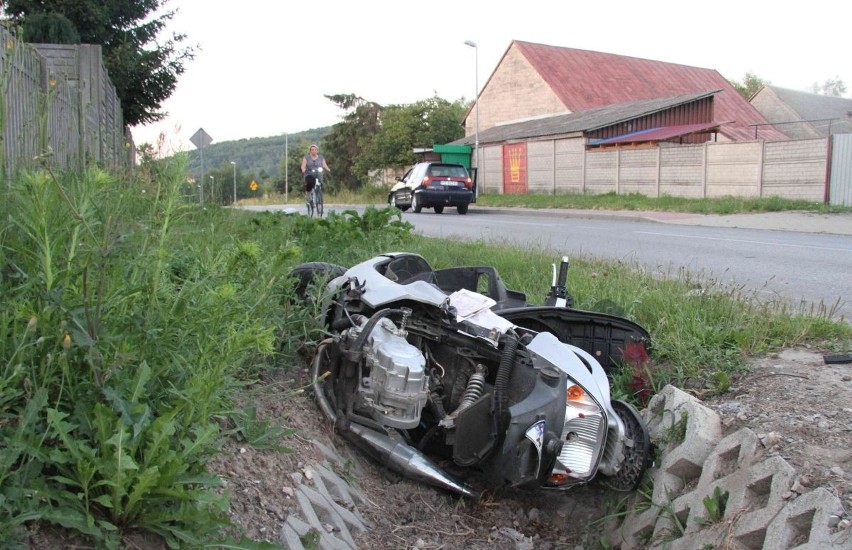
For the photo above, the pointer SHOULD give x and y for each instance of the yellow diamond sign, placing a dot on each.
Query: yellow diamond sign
(253, 185)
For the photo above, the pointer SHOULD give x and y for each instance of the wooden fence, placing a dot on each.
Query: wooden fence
(59, 107)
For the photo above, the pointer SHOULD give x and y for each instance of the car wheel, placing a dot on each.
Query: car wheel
(439, 209)
(462, 208)
(415, 204)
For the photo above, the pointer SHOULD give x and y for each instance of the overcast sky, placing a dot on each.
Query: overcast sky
(263, 66)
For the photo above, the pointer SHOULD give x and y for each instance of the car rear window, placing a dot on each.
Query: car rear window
(455, 171)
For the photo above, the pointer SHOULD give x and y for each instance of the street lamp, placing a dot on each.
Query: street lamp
(472, 44)
(235, 183)
(286, 167)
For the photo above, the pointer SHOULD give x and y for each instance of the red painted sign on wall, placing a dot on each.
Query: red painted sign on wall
(515, 169)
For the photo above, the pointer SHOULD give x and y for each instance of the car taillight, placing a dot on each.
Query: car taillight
(468, 183)
(426, 181)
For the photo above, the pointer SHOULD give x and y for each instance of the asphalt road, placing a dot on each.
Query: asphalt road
(806, 269)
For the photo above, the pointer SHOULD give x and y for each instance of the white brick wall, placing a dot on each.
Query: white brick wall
(515, 91)
(790, 169)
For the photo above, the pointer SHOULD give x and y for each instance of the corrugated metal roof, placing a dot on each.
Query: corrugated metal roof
(584, 80)
(817, 107)
(580, 122)
(658, 134)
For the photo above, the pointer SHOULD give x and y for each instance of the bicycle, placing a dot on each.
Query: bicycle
(314, 202)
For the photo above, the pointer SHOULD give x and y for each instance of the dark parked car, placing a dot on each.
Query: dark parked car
(433, 185)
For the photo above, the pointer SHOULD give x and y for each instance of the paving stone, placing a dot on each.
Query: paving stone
(682, 461)
(759, 499)
(804, 522)
(294, 529)
(756, 515)
(739, 450)
(635, 530)
(713, 536)
(338, 489)
(289, 538)
(329, 502)
(333, 514)
(343, 459)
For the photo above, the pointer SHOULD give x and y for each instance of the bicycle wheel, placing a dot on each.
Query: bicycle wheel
(318, 191)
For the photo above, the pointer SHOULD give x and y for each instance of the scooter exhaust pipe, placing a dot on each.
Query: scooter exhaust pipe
(405, 460)
(396, 455)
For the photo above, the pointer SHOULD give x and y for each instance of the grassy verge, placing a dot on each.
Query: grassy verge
(373, 196)
(131, 319)
(635, 201)
(608, 201)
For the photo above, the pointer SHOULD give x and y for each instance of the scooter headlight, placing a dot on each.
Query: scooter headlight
(583, 435)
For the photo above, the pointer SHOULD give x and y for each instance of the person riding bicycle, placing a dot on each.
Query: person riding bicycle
(310, 164)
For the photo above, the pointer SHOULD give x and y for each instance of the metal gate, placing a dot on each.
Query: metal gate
(840, 184)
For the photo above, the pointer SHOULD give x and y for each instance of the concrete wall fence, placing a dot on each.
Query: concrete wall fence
(789, 169)
(60, 107)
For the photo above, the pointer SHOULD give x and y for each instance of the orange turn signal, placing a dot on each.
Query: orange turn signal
(558, 479)
(575, 393)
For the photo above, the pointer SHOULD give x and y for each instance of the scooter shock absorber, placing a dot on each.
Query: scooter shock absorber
(406, 315)
(475, 387)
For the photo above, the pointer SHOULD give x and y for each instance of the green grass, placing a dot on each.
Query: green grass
(132, 319)
(635, 201)
(377, 196)
(609, 201)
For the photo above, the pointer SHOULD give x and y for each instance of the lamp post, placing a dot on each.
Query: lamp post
(235, 183)
(286, 167)
(472, 44)
(212, 188)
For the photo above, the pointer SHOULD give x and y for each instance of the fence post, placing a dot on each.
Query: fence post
(659, 168)
(618, 170)
(554, 167)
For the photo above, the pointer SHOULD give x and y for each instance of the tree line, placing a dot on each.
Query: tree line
(369, 136)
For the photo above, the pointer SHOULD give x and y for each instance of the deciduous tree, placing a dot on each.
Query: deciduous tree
(372, 136)
(348, 138)
(143, 68)
(833, 87)
(750, 85)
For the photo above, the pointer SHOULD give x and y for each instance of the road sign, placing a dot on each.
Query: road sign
(201, 139)
(253, 185)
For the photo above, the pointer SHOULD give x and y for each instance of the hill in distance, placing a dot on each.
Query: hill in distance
(260, 157)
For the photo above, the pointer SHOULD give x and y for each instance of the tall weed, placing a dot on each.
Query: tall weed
(122, 342)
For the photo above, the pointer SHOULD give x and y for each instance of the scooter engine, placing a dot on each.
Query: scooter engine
(393, 385)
